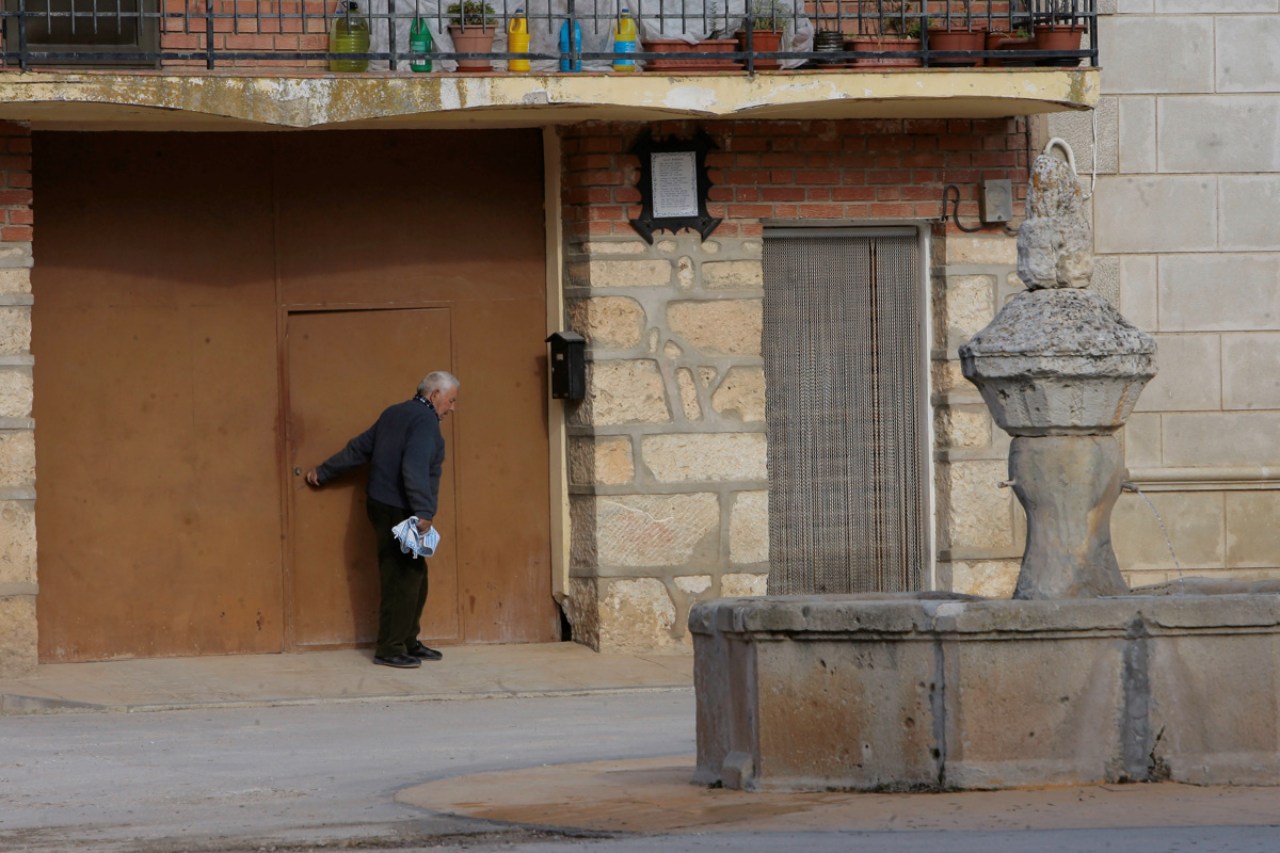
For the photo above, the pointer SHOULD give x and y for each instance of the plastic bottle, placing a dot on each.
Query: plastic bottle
(576, 63)
(349, 34)
(420, 41)
(625, 40)
(518, 41)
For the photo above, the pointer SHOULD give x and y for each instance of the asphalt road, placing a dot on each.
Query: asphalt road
(324, 777)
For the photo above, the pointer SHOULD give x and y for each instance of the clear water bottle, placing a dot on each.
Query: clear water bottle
(349, 34)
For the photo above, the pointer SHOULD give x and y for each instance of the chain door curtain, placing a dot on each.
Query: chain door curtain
(844, 368)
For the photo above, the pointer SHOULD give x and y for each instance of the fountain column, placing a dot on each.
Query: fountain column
(1061, 370)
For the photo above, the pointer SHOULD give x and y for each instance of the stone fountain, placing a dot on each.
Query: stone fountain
(1074, 681)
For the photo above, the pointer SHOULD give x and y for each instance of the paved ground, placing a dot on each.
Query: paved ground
(324, 751)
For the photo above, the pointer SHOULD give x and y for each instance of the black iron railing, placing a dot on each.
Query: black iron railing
(361, 36)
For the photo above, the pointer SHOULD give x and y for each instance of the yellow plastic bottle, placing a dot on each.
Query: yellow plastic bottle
(518, 41)
(625, 40)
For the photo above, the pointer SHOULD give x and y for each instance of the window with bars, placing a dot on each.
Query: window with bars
(845, 361)
(71, 32)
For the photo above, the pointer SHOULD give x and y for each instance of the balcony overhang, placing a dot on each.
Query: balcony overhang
(220, 101)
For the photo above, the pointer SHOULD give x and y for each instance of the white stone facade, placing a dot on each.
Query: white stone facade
(1187, 221)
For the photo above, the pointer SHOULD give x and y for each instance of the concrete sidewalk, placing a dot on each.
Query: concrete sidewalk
(346, 675)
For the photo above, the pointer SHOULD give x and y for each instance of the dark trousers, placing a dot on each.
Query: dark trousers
(403, 579)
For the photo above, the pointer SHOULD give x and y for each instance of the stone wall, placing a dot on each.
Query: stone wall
(1187, 231)
(668, 481)
(17, 429)
(980, 526)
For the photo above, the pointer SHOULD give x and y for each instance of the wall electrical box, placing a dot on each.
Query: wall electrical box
(997, 201)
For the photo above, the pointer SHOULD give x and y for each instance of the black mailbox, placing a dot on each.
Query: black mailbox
(568, 365)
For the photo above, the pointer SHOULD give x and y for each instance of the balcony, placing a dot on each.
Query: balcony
(304, 63)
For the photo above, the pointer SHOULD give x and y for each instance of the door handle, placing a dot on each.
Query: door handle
(297, 472)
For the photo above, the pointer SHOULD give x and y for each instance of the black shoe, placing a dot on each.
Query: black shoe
(418, 650)
(400, 661)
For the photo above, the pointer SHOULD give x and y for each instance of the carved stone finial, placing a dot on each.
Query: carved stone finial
(1055, 245)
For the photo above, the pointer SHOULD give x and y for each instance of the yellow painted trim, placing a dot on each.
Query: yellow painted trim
(218, 102)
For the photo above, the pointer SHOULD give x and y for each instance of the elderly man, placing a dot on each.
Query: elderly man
(405, 453)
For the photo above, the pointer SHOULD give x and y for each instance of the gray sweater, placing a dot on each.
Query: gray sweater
(405, 452)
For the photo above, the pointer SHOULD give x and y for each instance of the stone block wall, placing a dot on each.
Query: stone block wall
(980, 526)
(667, 455)
(17, 428)
(1187, 229)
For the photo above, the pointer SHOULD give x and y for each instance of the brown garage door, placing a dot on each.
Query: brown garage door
(175, 276)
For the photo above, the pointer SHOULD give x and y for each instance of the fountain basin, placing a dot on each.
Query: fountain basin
(938, 692)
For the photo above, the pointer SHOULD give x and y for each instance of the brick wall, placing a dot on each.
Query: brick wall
(668, 453)
(17, 435)
(269, 28)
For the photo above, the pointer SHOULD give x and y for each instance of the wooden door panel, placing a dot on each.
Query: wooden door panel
(344, 368)
(156, 381)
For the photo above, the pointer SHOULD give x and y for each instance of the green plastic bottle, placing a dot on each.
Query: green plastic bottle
(420, 41)
(349, 34)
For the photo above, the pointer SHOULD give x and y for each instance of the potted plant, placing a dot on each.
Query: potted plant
(472, 26)
(675, 47)
(1060, 30)
(888, 29)
(1020, 39)
(957, 29)
(766, 21)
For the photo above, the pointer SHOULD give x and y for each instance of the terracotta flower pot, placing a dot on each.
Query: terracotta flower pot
(473, 38)
(676, 47)
(1059, 37)
(878, 44)
(1009, 41)
(971, 39)
(763, 41)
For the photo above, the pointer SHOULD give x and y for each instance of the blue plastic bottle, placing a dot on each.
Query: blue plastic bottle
(566, 64)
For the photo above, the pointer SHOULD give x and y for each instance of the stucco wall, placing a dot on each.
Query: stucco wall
(667, 455)
(17, 436)
(1187, 229)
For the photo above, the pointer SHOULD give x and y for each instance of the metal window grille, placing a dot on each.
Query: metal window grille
(98, 32)
(844, 363)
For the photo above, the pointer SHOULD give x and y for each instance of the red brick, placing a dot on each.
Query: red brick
(14, 197)
(900, 210)
(821, 211)
(853, 193)
(782, 194)
(627, 195)
(818, 194)
(18, 180)
(750, 211)
(783, 159)
(925, 126)
(743, 194)
(995, 158)
(15, 233)
(817, 176)
(888, 176)
(24, 216)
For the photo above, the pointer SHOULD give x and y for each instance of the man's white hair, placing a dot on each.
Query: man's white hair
(437, 380)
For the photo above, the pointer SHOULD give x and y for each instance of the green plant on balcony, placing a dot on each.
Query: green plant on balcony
(887, 27)
(472, 26)
(765, 21)
(472, 13)
(767, 16)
